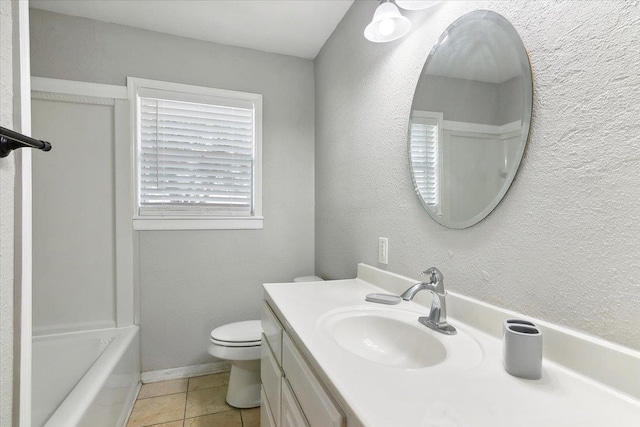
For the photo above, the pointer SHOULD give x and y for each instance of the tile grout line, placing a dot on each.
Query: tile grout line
(160, 395)
(187, 392)
(186, 397)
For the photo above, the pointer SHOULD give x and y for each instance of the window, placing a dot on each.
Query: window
(424, 150)
(197, 157)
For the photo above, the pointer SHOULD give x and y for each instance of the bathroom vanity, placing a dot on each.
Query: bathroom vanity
(329, 358)
(283, 369)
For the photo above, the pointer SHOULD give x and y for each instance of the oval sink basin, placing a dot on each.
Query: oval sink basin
(394, 338)
(388, 341)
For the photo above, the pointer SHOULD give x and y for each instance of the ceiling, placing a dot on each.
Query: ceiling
(478, 50)
(290, 27)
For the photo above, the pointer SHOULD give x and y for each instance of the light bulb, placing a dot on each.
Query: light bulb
(387, 24)
(386, 27)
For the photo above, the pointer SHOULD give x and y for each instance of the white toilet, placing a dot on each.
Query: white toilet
(239, 343)
(308, 279)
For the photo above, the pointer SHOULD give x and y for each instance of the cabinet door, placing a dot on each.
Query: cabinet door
(272, 331)
(319, 408)
(292, 415)
(271, 377)
(266, 420)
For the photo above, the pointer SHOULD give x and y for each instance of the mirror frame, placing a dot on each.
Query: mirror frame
(527, 71)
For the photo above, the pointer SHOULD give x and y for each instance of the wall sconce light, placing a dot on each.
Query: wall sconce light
(387, 24)
(416, 4)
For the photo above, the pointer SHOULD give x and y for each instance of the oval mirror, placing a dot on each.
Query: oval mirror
(470, 118)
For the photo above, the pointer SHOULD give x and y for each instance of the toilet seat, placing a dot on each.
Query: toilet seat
(238, 334)
(236, 344)
(234, 353)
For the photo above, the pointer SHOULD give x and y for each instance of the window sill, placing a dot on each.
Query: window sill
(250, 223)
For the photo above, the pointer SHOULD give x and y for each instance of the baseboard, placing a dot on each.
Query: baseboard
(185, 372)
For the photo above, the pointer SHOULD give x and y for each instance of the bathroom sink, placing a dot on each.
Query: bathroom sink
(387, 336)
(388, 341)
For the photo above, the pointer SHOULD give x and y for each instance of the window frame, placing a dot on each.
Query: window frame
(191, 93)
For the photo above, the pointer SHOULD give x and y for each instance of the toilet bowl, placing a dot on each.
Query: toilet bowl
(239, 343)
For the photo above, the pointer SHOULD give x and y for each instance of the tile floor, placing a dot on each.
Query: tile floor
(192, 402)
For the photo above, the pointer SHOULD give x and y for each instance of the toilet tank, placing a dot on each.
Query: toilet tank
(308, 279)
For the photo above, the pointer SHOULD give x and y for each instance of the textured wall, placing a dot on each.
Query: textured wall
(193, 281)
(7, 174)
(565, 242)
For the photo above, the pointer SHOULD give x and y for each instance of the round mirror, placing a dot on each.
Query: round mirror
(470, 119)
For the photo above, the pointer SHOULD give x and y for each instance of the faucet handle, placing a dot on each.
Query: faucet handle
(436, 278)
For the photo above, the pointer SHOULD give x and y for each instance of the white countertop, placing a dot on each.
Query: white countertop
(439, 396)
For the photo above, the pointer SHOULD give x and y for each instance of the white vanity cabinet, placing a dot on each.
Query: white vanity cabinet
(266, 418)
(292, 395)
(292, 415)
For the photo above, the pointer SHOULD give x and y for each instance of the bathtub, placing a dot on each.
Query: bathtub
(88, 378)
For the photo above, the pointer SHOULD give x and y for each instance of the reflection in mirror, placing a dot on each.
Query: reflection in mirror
(470, 119)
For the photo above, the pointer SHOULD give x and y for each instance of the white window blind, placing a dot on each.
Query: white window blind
(425, 163)
(197, 156)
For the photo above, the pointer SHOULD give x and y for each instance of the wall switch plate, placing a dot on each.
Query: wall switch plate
(383, 250)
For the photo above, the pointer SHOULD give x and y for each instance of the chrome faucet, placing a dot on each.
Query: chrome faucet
(437, 319)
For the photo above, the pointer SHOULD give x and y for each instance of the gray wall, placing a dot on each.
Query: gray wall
(510, 100)
(7, 174)
(471, 101)
(564, 243)
(458, 99)
(193, 281)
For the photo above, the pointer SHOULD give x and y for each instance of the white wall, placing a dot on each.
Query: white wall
(193, 281)
(74, 267)
(564, 244)
(472, 184)
(7, 179)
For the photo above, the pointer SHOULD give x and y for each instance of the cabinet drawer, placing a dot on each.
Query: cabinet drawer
(266, 419)
(271, 377)
(292, 415)
(273, 331)
(318, 407)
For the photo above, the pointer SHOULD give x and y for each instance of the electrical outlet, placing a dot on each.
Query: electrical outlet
(383, 250)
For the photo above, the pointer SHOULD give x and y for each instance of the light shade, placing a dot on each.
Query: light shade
(416, 4)
(387, 24)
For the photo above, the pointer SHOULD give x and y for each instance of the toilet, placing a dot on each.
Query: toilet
(239, 343)
(308, 279)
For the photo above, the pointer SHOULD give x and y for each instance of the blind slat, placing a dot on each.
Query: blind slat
(170, 160)
(168, 187)
(194, 107)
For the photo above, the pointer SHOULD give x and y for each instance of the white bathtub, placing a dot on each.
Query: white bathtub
(85, 378)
